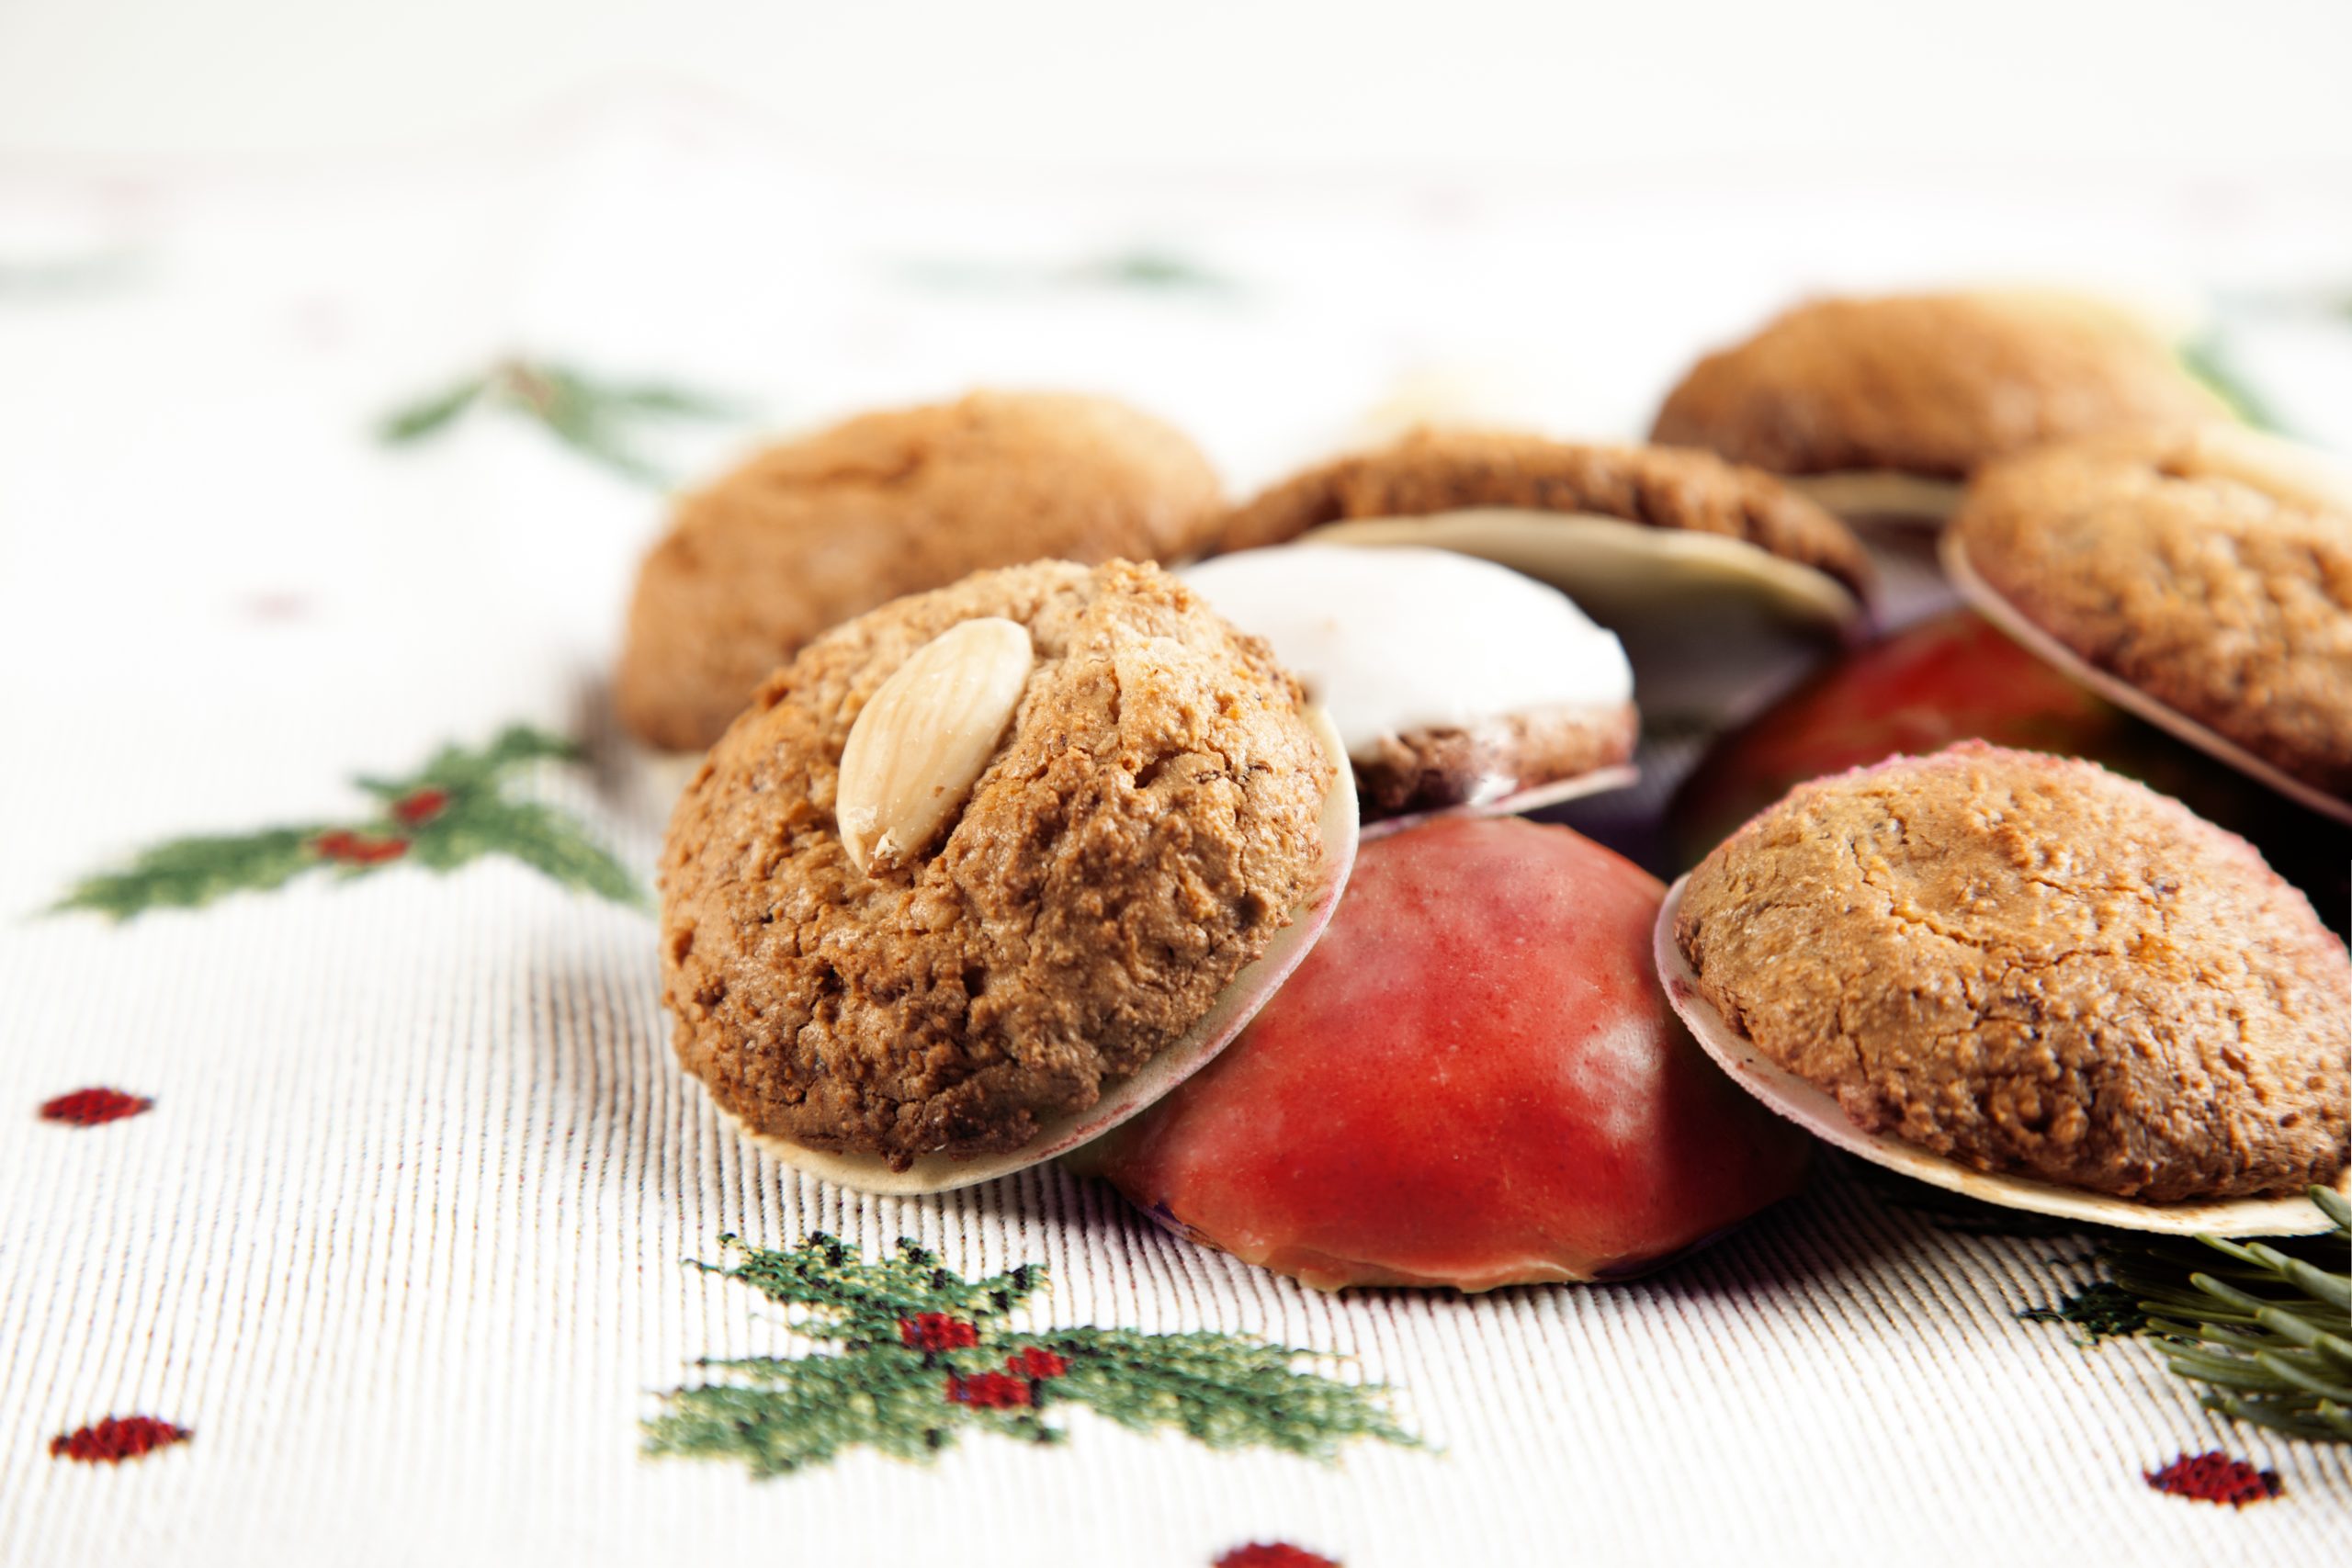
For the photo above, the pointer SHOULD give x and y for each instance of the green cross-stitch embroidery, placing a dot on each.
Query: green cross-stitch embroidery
(450, 812)
(923, 1354)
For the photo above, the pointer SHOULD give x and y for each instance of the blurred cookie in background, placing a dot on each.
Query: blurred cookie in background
(1453, 681)
(1880, 408)
(2200, 578)
(814, 531)
(1722, 583)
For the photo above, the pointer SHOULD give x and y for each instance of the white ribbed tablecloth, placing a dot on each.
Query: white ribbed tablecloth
(403, 1241)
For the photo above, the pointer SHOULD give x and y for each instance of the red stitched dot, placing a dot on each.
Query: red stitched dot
(989, 1391)
(91, 1107)
(422, 807)
(1274, 1554)
(116, 1438)
(348, 848)
(1036, 1363)
(937, 1331)
(2215, 1477)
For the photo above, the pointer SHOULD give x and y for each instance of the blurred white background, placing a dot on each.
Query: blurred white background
(235, 234)
(1483, 86)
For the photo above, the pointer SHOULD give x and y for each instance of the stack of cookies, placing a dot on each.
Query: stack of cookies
(1012, 843)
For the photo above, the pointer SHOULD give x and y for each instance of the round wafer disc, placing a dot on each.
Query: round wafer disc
(1518, 803)
(1617, 570)
(1233, 1007)
(1987, 601)
(1818, 1114)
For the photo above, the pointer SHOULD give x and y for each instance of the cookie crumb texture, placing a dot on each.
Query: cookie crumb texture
(1929, 383)
(812, 532)
(1147, 825)
(2163, 560)
(2035, 967)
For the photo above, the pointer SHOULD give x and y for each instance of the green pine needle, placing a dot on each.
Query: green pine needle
(596, 418)
(920, 1355)
(2268, 1332)
(449, 813)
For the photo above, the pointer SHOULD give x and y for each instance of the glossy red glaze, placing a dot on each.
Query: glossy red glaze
(1474, 1079)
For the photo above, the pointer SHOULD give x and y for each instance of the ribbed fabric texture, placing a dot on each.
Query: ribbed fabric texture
(404, 1239)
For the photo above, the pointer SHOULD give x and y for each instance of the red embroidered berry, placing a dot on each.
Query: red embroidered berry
(116, 1438)
(1036, 1363)
(1274, 1554)
(937, 1331)
(989, 1391)
(422, 807)
(348, 848)
(90, 1106)
(2215, 1477)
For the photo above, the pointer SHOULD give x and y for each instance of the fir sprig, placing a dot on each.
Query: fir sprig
(923, 1354)
(447, 814)
(2268, 1333)
(596, 418)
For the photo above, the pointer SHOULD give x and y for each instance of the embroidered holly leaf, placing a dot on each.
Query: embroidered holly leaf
(784, 1414)
(869, 1301)
(2266, 1329)
(422, 419)
(449, 813)
(921, 1355)
(599, 419)
(2210, 362)
(187, 874)
(1146, 268)
(2100, 1311)
(1150, 267)
(1219, 1389)
(65, 276)
(539, 836)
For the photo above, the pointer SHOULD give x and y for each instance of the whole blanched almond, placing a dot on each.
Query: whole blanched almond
(923, 737)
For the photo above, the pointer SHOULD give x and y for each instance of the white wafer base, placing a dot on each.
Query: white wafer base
(1881, 496)
(1235, 1007)
(1519, 803)
(1987, 601)
(1617, 570)
(1818, 1114)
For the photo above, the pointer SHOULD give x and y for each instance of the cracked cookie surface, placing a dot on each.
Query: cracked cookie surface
(2182, 564)
(1146, 825)
(2036, 967)
(1928, 384)
(812, 532)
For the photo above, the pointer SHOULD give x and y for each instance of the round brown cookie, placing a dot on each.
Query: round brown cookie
(1452, 471)
(1928, 384)
(2205, 568)
(1145, 825)
(2033, 966)
(814, 531)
